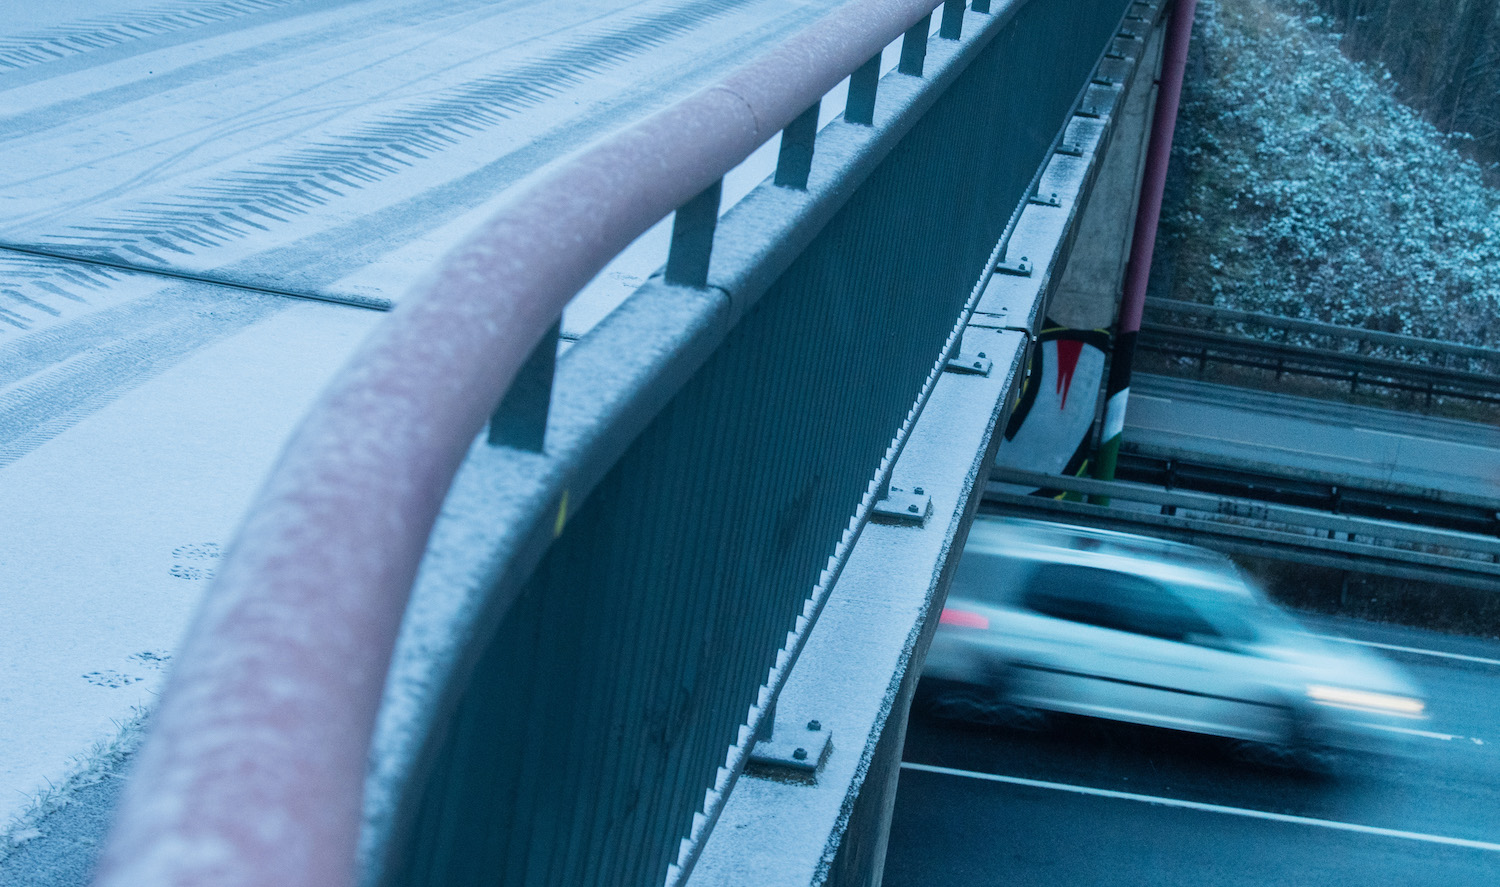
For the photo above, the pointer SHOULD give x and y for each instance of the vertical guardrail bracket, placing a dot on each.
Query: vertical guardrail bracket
(693, 228)
(952, 27)
(520, 421)
(859, 108)
(914, 47)
(794, 159)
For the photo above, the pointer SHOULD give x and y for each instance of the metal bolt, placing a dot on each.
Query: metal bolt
(981, 354)
(800, 754)
(918, 491)
(978, 365)
(912, 509)
(815, 725)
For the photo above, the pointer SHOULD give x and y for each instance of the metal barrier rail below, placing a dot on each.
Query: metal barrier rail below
(1243, 526)
(1354, 369)
(1363, 339)
(1334, 496)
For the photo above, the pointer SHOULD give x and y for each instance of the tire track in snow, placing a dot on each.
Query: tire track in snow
(269, 194)
(71, 382)
(58, 382)
(63, 41)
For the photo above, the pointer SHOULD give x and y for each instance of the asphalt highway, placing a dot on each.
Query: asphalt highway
(1083, 802)
(1367, 447)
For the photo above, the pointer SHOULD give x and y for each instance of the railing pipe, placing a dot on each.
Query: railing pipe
(254, 767)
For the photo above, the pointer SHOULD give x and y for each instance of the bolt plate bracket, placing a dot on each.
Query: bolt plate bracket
(778, 756)
(908, 507)
(1049, 199)
(970, 364)
(1021, 268)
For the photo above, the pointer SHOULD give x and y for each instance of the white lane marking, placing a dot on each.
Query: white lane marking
(1438, 653)
(1446, 737)
(1209, 808)
(1427, 435)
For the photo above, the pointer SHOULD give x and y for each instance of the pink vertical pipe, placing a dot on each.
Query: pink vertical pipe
(1153, 182)
(1143, 242)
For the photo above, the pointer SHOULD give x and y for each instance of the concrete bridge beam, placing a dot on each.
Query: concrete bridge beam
(1088, 297)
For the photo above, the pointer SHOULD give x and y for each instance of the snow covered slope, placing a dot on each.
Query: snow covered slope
(1305, 188)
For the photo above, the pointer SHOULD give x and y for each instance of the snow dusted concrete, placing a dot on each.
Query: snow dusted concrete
(1088, 298)
(184, 190)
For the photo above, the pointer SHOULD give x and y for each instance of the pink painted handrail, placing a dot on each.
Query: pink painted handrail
(254, 767)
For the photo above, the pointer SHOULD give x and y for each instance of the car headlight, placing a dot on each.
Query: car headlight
(1366, 700)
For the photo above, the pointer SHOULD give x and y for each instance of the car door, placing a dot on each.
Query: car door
(1123, 646)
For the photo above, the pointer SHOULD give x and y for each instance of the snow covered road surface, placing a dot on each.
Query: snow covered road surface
(176, 183)
(114, 527)
(334, 148)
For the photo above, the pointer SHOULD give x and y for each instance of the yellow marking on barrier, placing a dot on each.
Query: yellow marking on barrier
(562, 516)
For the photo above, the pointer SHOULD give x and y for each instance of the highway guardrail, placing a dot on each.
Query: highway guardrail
(1250, 527)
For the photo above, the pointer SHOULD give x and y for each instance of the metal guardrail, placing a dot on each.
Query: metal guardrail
(1335, 495)
(1255, 528)
(1356, 356)
(623, 559)
(1362, 338)
(1353, 369)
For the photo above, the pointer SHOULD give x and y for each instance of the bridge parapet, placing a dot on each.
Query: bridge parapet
(611, 600)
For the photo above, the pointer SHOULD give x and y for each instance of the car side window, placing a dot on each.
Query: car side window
(989, 578)
(1114, 600)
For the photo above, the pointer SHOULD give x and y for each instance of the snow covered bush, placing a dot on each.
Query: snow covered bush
(1304, 188)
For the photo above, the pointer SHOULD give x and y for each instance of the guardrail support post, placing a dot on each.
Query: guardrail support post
(693, 238)
(914, 47)
(520, 421)
(863, 83)
(794, 161)
(953, 20)
(981, 6)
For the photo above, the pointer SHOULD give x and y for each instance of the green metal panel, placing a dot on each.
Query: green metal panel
(600, 712)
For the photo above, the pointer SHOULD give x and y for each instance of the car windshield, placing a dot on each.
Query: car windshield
(1235, 616)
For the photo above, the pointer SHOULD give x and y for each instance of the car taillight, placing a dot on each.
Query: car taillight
(963, 619)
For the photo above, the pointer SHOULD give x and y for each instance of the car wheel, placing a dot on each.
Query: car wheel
(984, 705)
(1297, 748)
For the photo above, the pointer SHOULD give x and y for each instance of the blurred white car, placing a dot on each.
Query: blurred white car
(1057, 618)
